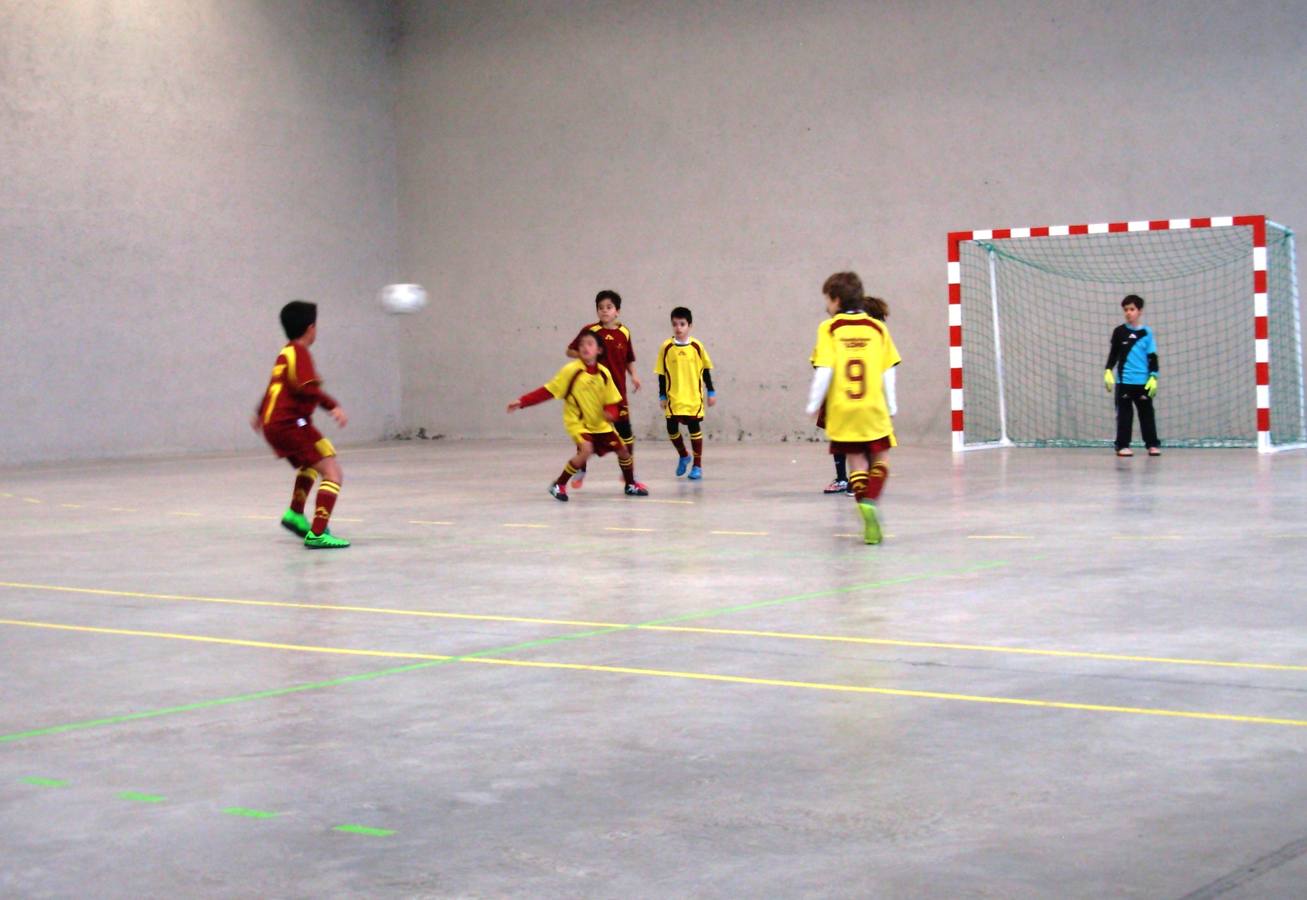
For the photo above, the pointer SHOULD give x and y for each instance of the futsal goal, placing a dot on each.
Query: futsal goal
(1031, 313)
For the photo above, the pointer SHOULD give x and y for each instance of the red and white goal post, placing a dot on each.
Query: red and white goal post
(1031, 312)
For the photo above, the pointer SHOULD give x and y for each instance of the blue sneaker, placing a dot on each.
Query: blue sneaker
(696, 473)
(681, 465)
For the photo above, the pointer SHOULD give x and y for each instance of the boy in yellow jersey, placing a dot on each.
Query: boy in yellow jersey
(854, 353)
(684, 370)
(591, 402)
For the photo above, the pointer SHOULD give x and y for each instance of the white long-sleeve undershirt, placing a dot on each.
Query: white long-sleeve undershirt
(821, 377)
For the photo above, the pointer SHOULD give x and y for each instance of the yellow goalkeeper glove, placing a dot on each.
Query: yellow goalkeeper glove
(1150, 386)
(1108, 381)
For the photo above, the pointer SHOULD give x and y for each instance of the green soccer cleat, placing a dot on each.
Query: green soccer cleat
(293, 521)
(324, 541)
(870, 523)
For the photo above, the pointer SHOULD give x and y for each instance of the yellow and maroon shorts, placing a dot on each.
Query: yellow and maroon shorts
(607, 442)
(300, 445)
(870, 448)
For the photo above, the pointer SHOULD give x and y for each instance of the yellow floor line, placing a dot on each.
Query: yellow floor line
(691, 676)
(427, 522)
(615, 528)
(742, 533)
(30, 500)
(686, 629)
(523, 525)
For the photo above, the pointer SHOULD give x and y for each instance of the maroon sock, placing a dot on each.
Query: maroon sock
(679, 443)
(628, 469)
(696, 444)
(327, 492)
(876, 479)
(304, 479)
(858, 484)
(568, 471)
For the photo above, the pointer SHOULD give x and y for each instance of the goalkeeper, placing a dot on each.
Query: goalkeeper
(1131, 373)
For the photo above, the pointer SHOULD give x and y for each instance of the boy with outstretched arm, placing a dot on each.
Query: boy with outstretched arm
(1133, 355)
(684, 371)
(591, 402)
(617, 353)
(284, 416)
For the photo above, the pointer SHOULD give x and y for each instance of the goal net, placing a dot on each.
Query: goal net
(1031, 313)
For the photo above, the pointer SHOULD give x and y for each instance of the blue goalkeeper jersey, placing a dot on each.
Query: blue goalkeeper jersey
(1133, 354)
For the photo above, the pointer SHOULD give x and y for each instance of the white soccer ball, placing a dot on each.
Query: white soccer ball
(403, 299)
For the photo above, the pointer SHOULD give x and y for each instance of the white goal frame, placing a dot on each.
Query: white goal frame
(1257, 296)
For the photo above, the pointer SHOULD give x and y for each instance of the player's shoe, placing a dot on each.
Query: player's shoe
(681, 465)
(1125, 451)
(324, 541)
(1154, 451)
(870, 523)
(293, 521)
(696, 472)
(578, 479)
(838, 486)
(637, 490)
(558, 492)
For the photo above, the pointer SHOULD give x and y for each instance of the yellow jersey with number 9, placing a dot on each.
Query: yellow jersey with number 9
(858, 350)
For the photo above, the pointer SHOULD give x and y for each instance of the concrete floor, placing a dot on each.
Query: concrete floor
(1064, 675)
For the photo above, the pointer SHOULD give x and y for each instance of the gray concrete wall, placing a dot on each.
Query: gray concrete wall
(171, 172)
(729, 156)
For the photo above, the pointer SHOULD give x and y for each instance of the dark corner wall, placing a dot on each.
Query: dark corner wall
(170, 174)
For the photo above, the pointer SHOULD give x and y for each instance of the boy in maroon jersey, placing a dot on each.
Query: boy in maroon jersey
(284, 416)
(617, 352)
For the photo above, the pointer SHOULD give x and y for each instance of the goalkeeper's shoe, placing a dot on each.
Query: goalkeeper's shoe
(681, 465)
(838, 486)
(324, 541)
(558, 492)
(870, 522)
(293, 521)
(1125, 451)
(636, 489)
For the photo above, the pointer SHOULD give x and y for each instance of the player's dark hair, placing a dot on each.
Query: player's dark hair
(297, 316)
(592, 336)
(609, 295)
(846, 289)
(682, 312)
(877, 308)
(1132, 300)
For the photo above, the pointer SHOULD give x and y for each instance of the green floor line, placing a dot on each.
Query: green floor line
(493, 652)
(137, 797)
(45, 782)
(363, 829)
(249, 813)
